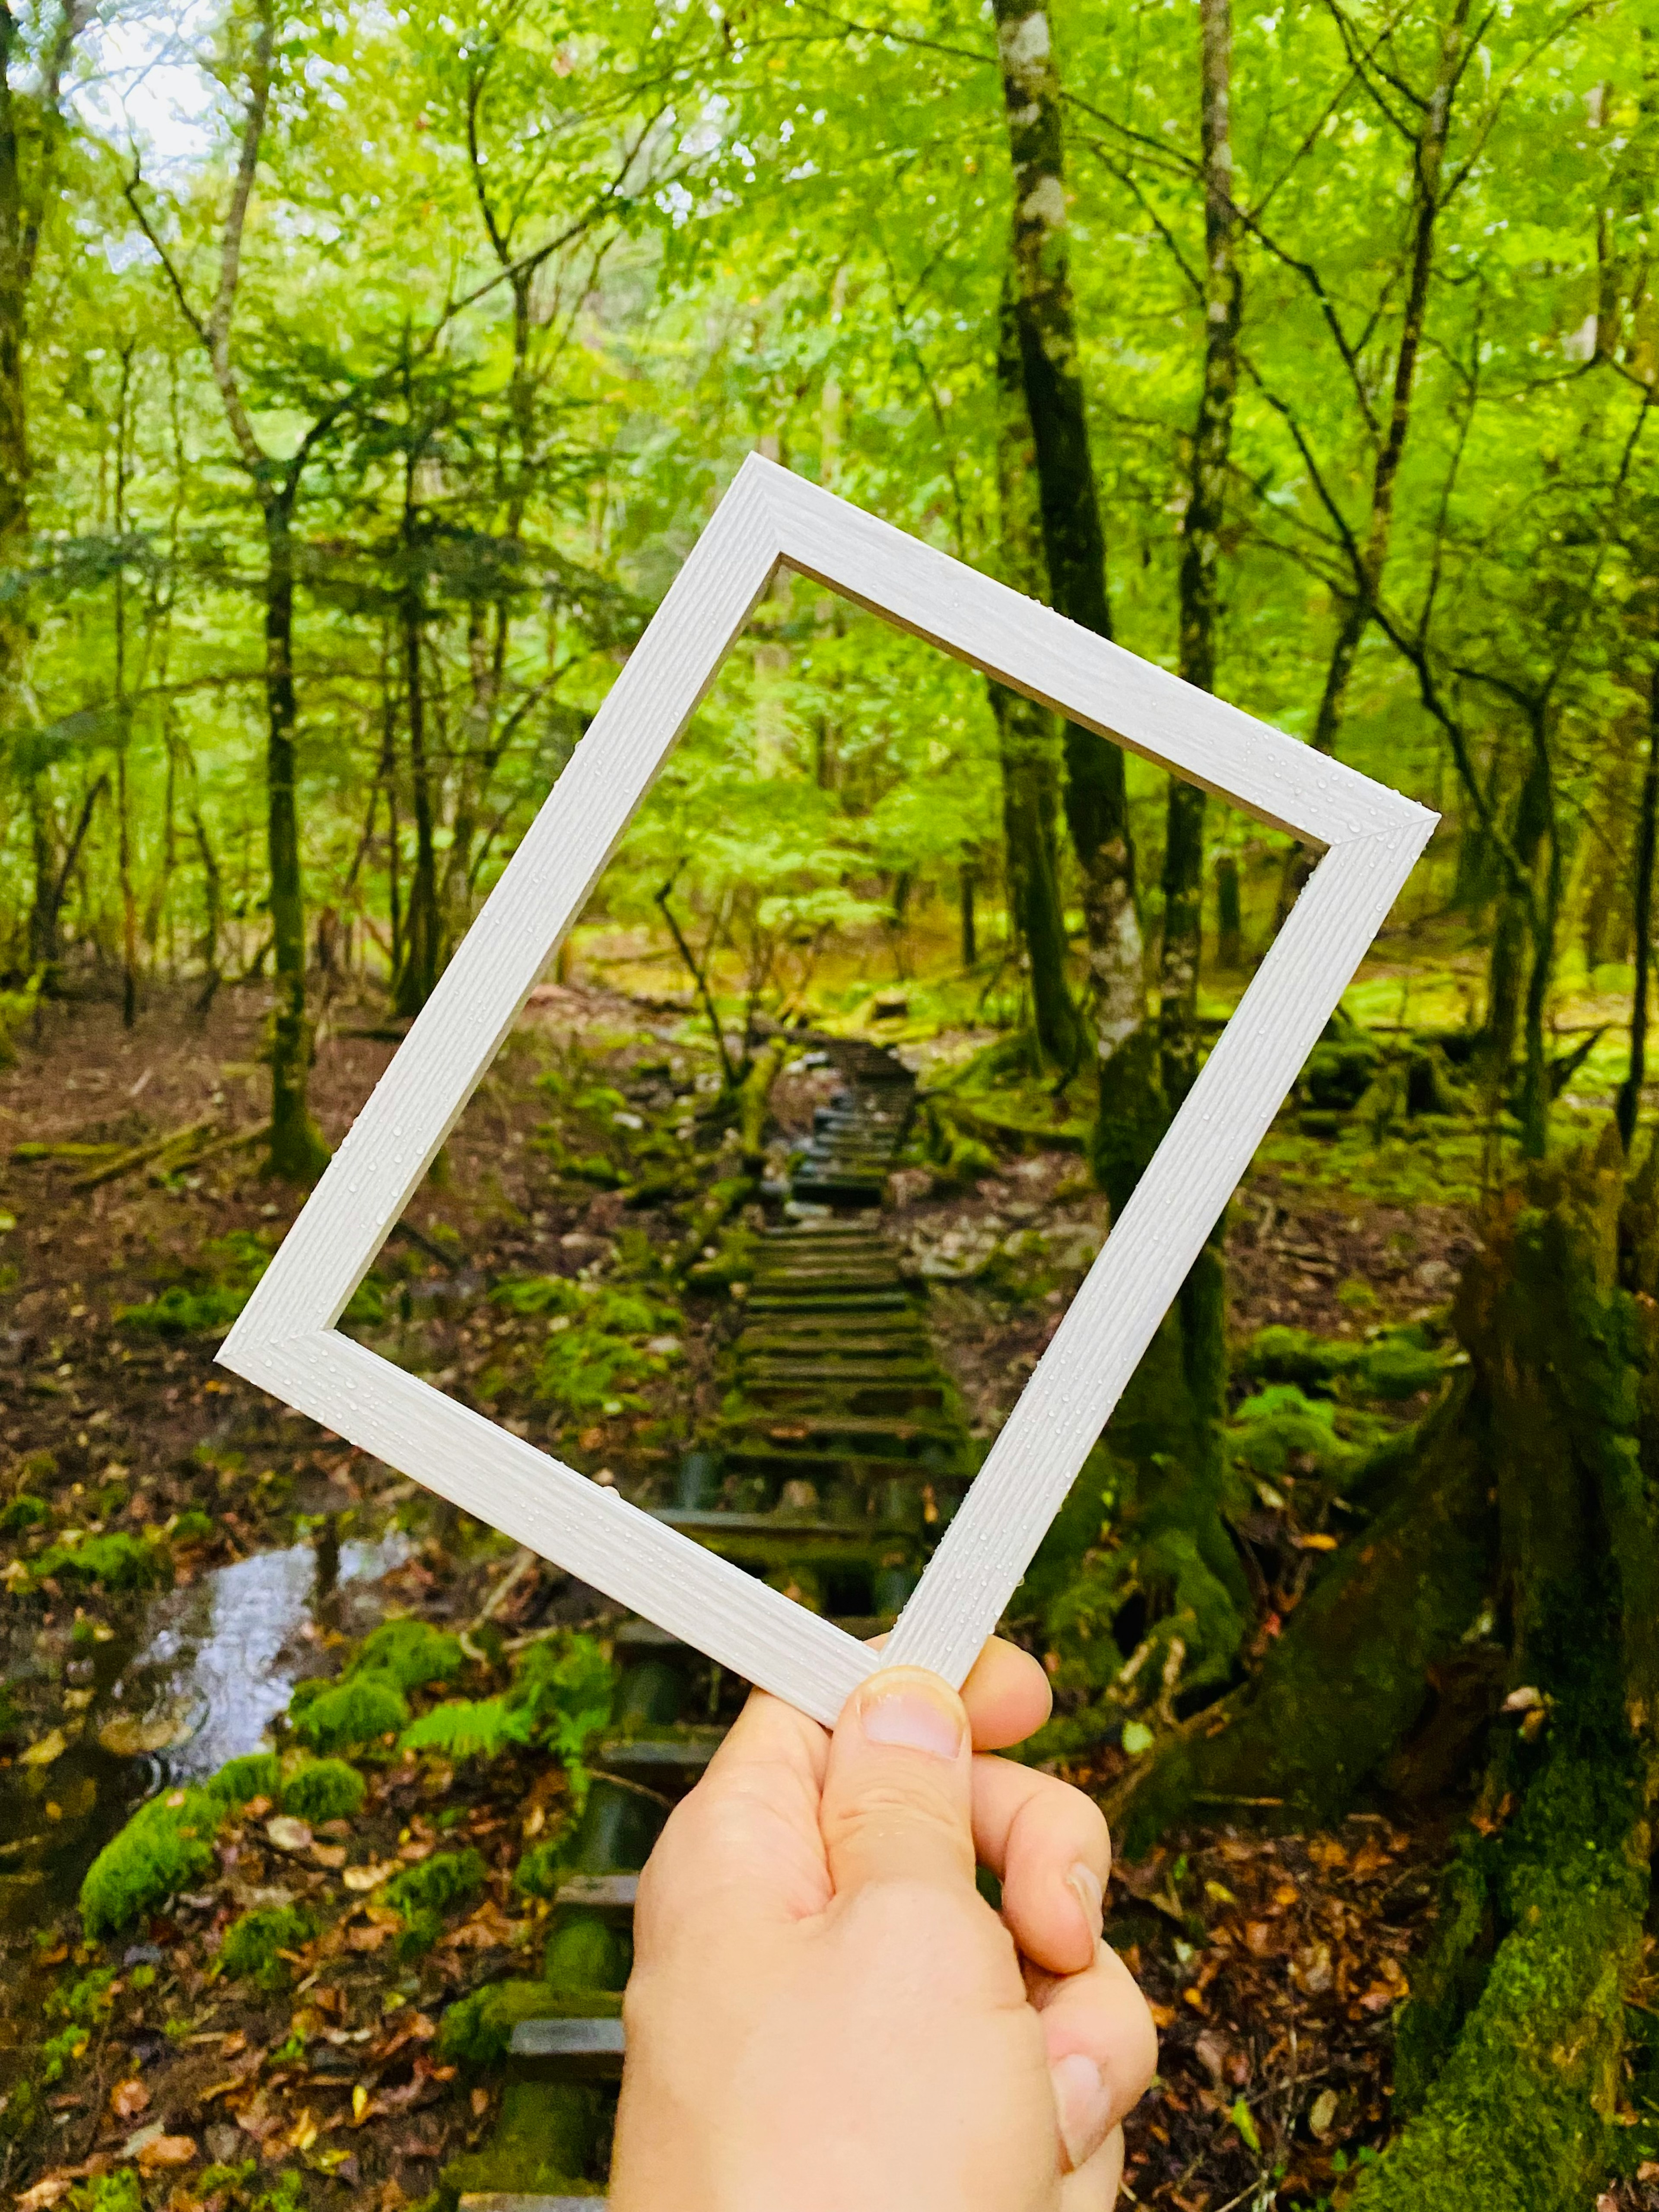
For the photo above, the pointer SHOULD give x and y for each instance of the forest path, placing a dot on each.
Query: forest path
(840, 1454)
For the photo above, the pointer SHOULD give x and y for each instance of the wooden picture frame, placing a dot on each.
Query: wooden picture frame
(286, 1339)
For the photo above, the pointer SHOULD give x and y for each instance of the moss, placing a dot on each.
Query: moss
(252, 1946)
(1349, 1677)
(547, 2134)
(25, 1511)
(118, 1560)
(110, 2192)
(192, 1527)
(1521, 2114)
(167, 1846)
(408, 1654)
(258, 1774)
(324, 1789)
(353, 1711)
(475, 2030)
(425, 1891)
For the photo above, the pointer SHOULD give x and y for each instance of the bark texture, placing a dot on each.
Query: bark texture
(1074, 544)
(1028, 736)
(1534, 1495)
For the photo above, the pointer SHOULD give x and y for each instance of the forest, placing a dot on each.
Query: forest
(366, 375)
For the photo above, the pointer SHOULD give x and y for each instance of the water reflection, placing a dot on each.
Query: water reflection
(197, 1679)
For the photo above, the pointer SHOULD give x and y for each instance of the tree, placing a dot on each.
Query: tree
(1074, 545)
(297, 1151)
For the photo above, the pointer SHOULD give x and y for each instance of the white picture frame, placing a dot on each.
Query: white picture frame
(286, 1339)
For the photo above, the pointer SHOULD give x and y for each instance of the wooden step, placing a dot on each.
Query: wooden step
(768, 1540)
(568, 2050)
(508, 2200)
(610, 1896)
(668, 1765)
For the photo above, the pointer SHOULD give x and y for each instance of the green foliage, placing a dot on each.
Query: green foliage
(561, 1694)
(23, 1512)
(220, 1285)
(324, 1789)
(253, 1944)
(409, 1655)
(334, 1716)
(193, 1527)
(117, 1560)
(167, 1846)
(597, 1350)
(425, 1891)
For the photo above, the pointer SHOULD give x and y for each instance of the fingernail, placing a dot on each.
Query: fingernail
(916, 1715)
(1085, 1884)
(1083, 2105)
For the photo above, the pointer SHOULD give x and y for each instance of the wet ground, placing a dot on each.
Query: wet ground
(164, 1692)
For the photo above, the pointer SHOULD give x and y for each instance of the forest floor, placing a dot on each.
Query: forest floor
(254, 1547)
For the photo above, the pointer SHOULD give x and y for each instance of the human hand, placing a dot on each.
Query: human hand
(825, 2015)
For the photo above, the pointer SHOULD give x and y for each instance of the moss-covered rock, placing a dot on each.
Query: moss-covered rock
(408, 1654)
(167, 1846)
(334, 1716)
(324, 1789)
(257, 1774)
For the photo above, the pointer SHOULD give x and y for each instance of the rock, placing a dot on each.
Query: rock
(289, 1834)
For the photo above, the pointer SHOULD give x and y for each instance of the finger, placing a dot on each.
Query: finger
(895, 1795)
(746, 1840)
(1094, 2186)
(1103, 2050)
(1007, 1696)
(1046, 1842)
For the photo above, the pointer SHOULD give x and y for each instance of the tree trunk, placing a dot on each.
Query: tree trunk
(1028, 736)
(419, 973)
(1229, 918)
(1647, 829)
(298, 1153)
(1528, 1501)
(967, 931)
(1200, 551)
(1096, 799)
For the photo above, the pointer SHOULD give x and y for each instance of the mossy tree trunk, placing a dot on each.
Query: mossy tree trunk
(1527, 1519)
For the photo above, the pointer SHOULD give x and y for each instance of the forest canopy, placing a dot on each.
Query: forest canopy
(349, 435)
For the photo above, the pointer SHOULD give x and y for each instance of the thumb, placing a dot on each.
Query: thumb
(896, 1797)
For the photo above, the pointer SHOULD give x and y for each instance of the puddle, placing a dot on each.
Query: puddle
(196, 1680)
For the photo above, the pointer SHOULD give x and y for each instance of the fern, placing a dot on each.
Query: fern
(560, 1696)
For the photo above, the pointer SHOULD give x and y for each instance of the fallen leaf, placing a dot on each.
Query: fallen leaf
(1312, 1971)
(131, 1736)
(168, 2150)
(362, 1879)
(128, 2099)
(52, 2188)
(1322, 2115)
(331, 1855)
(50, 1746)
(1163, 2015)
(359, 2103)
(304, 2132)
(137, 2145)
(289, 1834)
